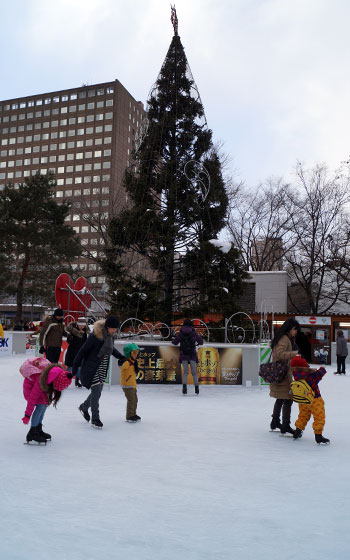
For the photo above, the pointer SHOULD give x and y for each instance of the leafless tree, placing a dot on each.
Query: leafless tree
(319, 260)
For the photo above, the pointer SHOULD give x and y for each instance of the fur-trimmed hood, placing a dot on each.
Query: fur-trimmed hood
(97, 329)
(73, 329)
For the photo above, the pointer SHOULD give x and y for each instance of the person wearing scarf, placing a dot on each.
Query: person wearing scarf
(93, 359)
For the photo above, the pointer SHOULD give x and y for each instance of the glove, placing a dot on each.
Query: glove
(41, 349)
(25, 419)
(70, 375)
(121, 361)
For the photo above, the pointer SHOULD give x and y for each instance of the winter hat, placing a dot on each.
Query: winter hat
(82, 321)
(128, 348)
(298, 361)
(58, 312)
(59, 378)
(112, 322)
(187, 323)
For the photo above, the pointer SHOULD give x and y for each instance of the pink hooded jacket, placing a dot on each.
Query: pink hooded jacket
(33, 393)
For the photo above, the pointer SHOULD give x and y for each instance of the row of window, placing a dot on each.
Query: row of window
(85, 192)
(61, 134)
(52, 112)
(53, 147)
(62, 122)
(86, 229)
(59, 170)
(60, 182)
(52, 159)
(55, 99)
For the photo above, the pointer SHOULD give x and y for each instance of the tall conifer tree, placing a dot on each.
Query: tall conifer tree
(178, 204)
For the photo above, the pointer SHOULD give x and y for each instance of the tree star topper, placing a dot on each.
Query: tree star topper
(173, 19)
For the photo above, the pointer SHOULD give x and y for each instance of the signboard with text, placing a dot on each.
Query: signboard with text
(6, 344)
(313, 320)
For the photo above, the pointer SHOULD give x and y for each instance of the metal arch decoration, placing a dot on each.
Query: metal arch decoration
(161, 331)
(134, 328)
(233, 329)
(198, 176)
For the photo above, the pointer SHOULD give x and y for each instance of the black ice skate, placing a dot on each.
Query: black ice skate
(287, 429)
(34, 435)
(184, 389)
(320, 439)
(196, 389)
(85, 413)
(44, 434)
(297, 434)
(97, 423)
(133, 419)
(275, 424)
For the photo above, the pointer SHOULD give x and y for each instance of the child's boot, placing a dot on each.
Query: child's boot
(297, 434)
(184, 389)
(34, 435)
(45, 435)
(320, 439)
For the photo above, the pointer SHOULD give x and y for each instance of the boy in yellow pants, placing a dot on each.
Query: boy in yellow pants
(302, 371)
(128, 374)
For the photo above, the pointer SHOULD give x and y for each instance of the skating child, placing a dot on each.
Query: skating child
(302, 371)
(43, 384)
(129, 370)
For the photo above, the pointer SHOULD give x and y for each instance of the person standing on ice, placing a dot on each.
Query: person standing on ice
(283, 348)
(93, 359)
(51, 334)
(301, 370)
(77, 336)
(42, 385)
(128, 374)
(187, 337)
(342, 352)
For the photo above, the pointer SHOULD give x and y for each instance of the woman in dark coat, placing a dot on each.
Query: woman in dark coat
(283, 348)
(77, 335)
(188, 338)
(93, 358)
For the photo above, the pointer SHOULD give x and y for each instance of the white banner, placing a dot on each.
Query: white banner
(6, 344)
(313, 320)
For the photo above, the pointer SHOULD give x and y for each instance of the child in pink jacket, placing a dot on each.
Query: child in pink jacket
(43, 384)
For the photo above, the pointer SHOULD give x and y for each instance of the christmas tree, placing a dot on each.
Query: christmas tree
(165, 241)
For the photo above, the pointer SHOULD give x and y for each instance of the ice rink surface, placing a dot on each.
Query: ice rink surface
(198, 478)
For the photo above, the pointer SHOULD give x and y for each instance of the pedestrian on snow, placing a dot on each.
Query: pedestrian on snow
(77, 335)
(188, 338)
(301, 370)
(128, 374)
(51, 334)
(283, 348)
(342, 352)
(43, 384)
(93, 358)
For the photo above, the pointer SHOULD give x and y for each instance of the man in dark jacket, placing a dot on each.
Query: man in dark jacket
(342, 352)
(51, 334)
(93, 357)
(77, 335)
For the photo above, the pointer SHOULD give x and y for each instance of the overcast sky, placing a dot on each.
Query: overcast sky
(273, 74)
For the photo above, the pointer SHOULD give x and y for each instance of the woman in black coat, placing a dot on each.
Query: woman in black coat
(93, 359)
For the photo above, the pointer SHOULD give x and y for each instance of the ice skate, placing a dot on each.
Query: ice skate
(97, 423)
(44, 434)
(34, 435)
(184, 389)
(133, 419)
(320, 439)
(196, 389)
(84, 413)
(297, 434)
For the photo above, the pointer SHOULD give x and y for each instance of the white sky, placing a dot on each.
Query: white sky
(273, 74)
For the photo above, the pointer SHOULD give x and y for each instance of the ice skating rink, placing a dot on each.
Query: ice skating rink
(198, 478)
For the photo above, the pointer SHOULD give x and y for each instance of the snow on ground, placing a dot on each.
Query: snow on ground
(198, 478)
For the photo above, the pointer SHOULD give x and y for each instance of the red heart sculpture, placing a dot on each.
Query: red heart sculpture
(74, 299)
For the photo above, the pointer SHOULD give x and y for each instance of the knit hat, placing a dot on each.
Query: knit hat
(82, 321)
(112, 322)
(128, 348)
(59, 378)
(58, 312)
(298, 361)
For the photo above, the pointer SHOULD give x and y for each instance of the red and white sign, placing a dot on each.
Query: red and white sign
(313, 320)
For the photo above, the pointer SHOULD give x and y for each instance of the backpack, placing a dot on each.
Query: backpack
(187, 344)
(302, 392)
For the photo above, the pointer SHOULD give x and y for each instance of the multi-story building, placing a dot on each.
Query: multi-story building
(85, 137)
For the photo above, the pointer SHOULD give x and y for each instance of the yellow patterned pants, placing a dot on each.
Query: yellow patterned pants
(318, 412)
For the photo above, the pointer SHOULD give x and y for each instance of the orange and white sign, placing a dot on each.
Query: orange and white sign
(313, 320)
